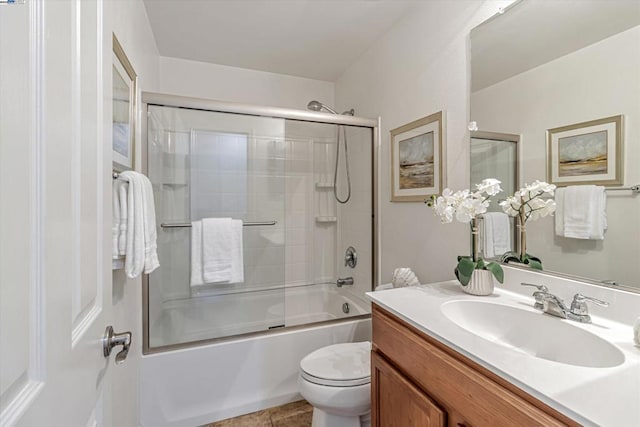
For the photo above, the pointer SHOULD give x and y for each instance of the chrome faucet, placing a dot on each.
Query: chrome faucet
(344, 281)
(551, 304)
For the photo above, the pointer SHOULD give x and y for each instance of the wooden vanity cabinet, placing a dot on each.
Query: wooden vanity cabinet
(417, 381)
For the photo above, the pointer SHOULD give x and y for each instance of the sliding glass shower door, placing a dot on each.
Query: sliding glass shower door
(278, 177)
(202, 165)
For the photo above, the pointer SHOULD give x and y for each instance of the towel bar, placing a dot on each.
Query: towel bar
(188, 224)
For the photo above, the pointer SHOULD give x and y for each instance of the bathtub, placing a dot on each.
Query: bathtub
(206, 383)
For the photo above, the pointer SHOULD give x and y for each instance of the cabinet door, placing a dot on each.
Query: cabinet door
(397, 402)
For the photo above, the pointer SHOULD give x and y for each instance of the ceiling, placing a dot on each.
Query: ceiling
(317, 39)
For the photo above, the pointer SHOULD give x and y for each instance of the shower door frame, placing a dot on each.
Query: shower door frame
(176, 101)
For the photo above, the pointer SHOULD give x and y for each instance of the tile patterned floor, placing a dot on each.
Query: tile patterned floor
(296, 414)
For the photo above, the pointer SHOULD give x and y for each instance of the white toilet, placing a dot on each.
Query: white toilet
(336, 381)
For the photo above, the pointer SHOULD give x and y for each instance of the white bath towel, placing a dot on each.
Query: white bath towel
(115, 217)
(196, 254)
(117, 259)
(584, 212)
(123, 197)
(237, 259)
(141, 246)
(496, 233)
(151, 261)
(559, 214)
(217, 251)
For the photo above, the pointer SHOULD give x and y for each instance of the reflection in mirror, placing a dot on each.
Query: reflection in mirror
(544, 65)
(495, 155)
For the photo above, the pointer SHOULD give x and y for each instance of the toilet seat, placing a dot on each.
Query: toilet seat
(338, 365)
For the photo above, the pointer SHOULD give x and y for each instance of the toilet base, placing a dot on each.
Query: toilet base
(325, 419)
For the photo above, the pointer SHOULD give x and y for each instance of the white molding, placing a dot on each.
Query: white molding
(37, 363)
(100, 225)
(76, 154)
(20, 403)
(35, 375)
(85, 322)
(84, 315)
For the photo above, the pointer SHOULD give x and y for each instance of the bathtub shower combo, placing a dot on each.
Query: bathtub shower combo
(302, 182)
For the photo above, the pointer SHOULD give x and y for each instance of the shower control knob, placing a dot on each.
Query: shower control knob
(350, 257)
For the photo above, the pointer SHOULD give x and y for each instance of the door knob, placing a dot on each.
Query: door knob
(112, 340)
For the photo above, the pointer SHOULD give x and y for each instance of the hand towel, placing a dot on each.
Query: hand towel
(216, 250)
(115, 217)
(497, 234)
(585, 212)
(123, 197)
(196, 254)
(151, 261)
(141, 246)
(559, 214)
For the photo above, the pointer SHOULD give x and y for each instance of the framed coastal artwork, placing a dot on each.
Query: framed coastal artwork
(124, 109)
(417, 159)
(586, 153)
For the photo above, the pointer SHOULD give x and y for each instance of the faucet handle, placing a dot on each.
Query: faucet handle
(579, 305)
(538, 295)
(541, 288)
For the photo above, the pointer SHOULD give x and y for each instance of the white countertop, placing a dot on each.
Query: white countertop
(591, 396)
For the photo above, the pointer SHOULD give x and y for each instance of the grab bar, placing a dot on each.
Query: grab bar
(188, 224)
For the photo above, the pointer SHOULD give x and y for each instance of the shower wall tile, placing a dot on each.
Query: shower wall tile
(297, 237)
(297, 220)
(298, 274)
(264, 179)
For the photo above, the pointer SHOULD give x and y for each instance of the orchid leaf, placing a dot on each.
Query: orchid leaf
(464, 270)
(537, 265)
(497, 271)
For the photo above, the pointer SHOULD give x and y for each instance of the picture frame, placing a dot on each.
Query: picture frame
(586, 153)
(418, 159)
(124, 105)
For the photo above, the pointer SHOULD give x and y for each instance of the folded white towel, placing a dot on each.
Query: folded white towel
(115, 217)
(237, 259)
(584, 212)
(151, 261)
(196, 254)
(559, 214)
(496, 234)
(123, 198)
(141, 246)
(216, 250)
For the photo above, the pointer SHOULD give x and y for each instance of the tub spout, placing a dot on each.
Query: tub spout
(344, 281)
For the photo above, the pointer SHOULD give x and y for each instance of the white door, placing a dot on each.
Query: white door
(55, 283)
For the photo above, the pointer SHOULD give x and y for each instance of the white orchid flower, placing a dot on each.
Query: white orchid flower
(490, 186)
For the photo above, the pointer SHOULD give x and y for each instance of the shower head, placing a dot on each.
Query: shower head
(319, 106)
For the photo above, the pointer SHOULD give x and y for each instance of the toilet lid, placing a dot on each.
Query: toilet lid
(341, 365)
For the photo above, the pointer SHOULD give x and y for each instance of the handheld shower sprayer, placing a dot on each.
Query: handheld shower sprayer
(319, 106)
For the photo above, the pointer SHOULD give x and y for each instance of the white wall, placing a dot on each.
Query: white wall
(418, 68)
(576, 88)
(128, 20)
(220, 82)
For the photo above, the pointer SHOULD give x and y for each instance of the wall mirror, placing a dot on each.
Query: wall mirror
(542, 65)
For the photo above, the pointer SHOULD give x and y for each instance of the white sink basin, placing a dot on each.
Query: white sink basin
(536, 334)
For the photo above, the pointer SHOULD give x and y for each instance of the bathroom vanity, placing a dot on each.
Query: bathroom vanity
(439, 359)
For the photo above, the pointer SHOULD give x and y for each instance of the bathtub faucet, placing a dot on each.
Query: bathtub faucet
(346, 281)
